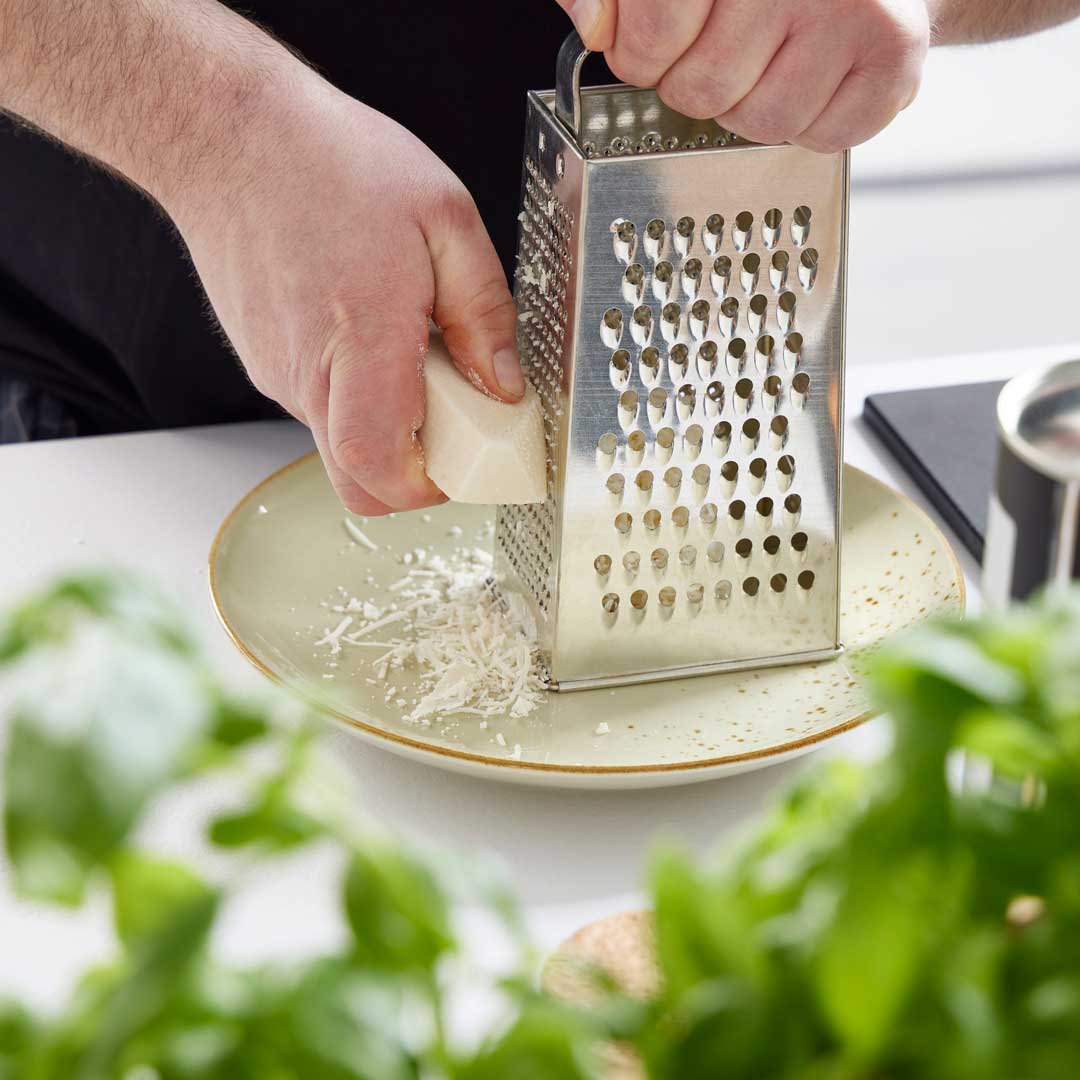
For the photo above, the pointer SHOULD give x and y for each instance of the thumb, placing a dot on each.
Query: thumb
(594, 21)
(473, 305)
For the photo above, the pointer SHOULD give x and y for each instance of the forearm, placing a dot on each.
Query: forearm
(162, 91)
(956, 22)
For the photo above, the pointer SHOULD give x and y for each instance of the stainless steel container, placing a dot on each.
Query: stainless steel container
(1033, 528)
(681, 311)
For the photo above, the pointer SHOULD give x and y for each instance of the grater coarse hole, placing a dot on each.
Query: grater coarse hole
(611, 329)
(748, 276)
(665, 443)
(800, 225)
(620, 368)
(691, 279)
(785, 312)
(699, 319)
(707, 359)
(778, 432)
(800, 389)
(727, 317)
(693, 438)
(712, 234)
(778, 269)
(655, 238)
(634, 284)
(664, 282)
(751, 434)
(763, 352)
(678, 361)
(671, 322)
(793, 346)
(642, 325)
(757, 312)
(743, 231)
(770, 227)
(721, 438)
(649, 367)
(684, 235)
(625, 240)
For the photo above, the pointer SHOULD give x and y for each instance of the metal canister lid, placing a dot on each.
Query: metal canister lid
(1038, 416)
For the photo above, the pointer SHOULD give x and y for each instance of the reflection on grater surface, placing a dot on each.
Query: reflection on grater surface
(681, 313)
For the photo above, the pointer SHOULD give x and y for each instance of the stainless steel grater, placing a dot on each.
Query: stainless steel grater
(681, 302)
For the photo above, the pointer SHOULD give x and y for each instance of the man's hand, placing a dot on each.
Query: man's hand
(325, 235)
(824, 74)
(324, 250)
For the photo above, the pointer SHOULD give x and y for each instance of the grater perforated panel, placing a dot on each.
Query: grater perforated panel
(682, 316)
(526, 534)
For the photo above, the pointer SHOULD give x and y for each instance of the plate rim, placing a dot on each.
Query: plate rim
(378, 733)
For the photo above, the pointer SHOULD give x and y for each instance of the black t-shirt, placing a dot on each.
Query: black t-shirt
(98, 301)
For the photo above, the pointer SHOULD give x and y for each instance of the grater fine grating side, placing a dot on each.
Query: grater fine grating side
(681, 302)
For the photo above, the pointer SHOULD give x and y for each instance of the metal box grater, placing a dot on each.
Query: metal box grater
(681, 312)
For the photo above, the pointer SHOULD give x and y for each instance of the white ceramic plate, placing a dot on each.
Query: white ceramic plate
(283, 551)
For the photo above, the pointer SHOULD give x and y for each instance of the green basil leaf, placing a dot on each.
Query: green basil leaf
(396, 908)
(148, 891)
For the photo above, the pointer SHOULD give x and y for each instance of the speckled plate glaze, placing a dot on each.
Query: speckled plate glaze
(283, 551)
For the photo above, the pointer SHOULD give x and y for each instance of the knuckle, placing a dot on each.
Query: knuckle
(697, 94)
(767, 126)
(451, 205)
(357, 454)
(648, 37)
(824, 142)
(490, 306)
(355, 500)
(262, 381)
(899, 44)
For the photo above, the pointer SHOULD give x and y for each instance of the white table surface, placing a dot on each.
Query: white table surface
(154, 501)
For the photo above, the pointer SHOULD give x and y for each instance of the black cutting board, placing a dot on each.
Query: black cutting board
(945, 438)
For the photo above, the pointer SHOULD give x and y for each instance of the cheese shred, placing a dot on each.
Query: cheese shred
(470, 651)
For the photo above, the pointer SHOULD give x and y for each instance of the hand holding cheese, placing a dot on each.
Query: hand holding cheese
(478, 449)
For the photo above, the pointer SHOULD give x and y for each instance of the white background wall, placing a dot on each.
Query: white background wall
(965, 223)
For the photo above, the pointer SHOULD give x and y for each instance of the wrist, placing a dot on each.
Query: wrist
(234, 118)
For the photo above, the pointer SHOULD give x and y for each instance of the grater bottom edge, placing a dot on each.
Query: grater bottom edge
(568, 686)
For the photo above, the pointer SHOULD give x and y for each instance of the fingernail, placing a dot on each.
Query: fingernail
(508, 372)
(586, 14)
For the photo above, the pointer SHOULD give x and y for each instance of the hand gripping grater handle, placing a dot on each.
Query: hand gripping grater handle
(681, 312)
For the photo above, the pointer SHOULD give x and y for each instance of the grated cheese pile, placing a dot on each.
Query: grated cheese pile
(471, 652)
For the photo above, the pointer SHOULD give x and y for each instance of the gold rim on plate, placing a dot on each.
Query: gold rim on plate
(539, 766)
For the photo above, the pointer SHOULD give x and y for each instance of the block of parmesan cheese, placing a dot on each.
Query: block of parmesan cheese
(478, 449)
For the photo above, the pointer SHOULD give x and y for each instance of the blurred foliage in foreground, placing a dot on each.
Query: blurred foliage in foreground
(919, 917)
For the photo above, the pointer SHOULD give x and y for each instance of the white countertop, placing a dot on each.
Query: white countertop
(153, 502)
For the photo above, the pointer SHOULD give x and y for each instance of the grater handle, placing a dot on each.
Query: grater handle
(572, 55)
